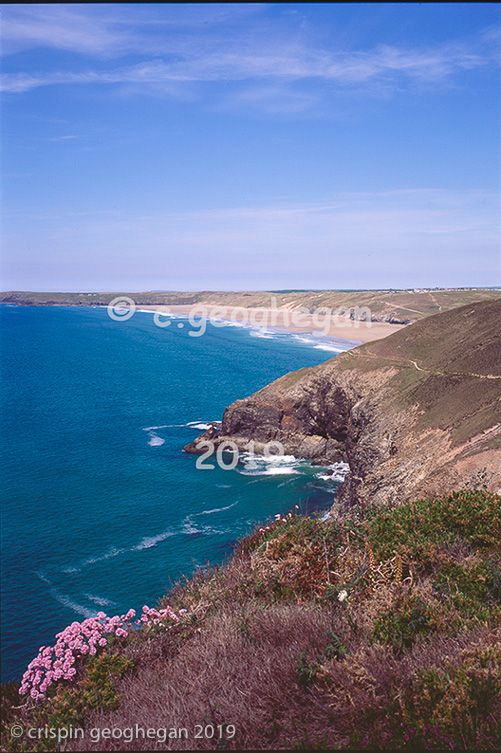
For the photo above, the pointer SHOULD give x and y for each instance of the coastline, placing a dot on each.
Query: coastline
(154, 424)
(330, 329)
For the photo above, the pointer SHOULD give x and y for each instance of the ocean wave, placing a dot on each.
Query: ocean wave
(216, 509)
(202, 425)
(274, 465)
(228, 322)
(150, 541)
(330, 348)
(103, 557)
(269, 471)
(70, 569)
(341, 467)
(69, 603)
(64, 599)
(164, 314)
(189, 527)
(339, 472)
(319, 342)
(200, 422)
(308, 340)
(100, 601)
(262, 335)
(249, 457)
(43, 577)
(155, 440)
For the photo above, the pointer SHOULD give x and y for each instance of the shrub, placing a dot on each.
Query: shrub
(409, 617)
(421, 527)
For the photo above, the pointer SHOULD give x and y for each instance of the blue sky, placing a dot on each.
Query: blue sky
(250, 146)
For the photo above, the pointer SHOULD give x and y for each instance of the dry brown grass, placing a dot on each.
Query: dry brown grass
(240, 669)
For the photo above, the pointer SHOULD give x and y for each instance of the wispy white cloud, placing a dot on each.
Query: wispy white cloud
(268, 67)
(108, 30)
(62, 28)
(345, 69)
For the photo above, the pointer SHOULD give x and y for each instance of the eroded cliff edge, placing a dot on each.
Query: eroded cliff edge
(415, 414)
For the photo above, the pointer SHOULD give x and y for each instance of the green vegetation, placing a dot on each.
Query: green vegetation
(421, 527)
(379, 630)
(69, 705)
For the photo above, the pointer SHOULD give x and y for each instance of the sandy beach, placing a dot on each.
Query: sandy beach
(321, 323)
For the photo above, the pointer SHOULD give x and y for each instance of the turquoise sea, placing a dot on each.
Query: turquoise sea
(101, 508)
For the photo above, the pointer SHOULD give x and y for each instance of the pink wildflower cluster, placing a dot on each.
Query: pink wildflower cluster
(156, 616)
(278, 519)
(80, 639)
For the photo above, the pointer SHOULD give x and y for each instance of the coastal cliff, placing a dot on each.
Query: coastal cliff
(414, 414)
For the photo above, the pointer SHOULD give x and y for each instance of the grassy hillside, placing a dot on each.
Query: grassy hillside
(381, 629)
(458, 341)
(414, 414)
(387, 305)
(448, 365)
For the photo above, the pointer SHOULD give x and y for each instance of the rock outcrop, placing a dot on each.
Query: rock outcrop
(418, 413)
(209, 435)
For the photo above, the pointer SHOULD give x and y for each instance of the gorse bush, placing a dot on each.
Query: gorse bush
(473, 586)
(408, 617)
(421, 527)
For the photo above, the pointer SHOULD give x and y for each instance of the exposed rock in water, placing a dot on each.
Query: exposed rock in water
(209, 435)
(415, 414)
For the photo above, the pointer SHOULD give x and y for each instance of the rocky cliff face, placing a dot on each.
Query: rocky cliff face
(417, 413)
